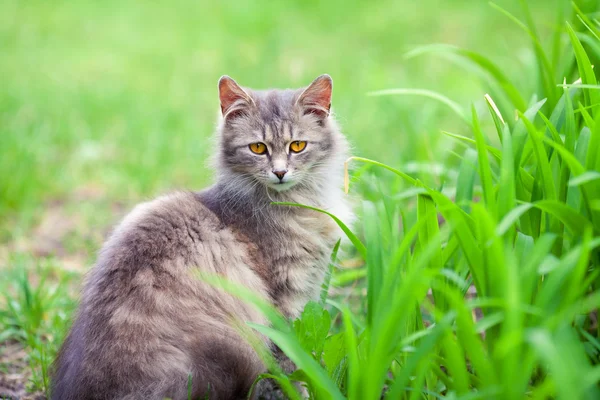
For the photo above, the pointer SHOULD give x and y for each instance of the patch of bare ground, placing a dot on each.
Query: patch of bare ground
(15, 373)
(67, 231)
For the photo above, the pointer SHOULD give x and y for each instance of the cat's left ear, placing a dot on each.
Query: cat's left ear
(316, 99)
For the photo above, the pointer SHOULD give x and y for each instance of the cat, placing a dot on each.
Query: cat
(145, 324)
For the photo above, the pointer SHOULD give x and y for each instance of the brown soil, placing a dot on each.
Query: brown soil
(15, 373)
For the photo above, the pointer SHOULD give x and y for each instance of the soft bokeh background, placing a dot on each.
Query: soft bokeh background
(103, 104)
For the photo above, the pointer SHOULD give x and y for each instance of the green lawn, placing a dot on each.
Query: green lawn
(119, 98)
(105, 104)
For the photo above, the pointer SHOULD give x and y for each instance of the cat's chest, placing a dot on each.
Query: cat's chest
(290, 249)
(298, 242)
(297, 254)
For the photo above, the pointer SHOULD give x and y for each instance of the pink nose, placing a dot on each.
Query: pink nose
(280, 174)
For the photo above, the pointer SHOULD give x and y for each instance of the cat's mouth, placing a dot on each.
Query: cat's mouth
(281, 186)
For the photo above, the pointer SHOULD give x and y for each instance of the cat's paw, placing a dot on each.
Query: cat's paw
(268, 389)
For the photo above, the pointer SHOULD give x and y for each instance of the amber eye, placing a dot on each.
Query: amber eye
(258, 148)
(297, 146)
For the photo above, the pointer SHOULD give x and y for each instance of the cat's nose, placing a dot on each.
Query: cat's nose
(280, 174)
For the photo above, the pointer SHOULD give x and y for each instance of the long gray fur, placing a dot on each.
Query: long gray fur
(145, 324)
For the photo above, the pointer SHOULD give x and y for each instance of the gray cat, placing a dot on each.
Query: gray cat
(145, 324)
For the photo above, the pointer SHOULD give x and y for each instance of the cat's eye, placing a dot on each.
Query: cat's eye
(258, 148)
(298, 146)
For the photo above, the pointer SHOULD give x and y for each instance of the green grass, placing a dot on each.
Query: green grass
(111, 103)
(529, 247)
(36, 309)
(120, 98)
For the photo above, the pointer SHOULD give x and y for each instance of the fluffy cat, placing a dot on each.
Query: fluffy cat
(145, 323)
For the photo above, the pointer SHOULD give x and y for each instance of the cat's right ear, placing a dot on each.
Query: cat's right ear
(234, 100)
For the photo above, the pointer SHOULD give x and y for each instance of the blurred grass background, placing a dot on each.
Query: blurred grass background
(112, 102)
(105, 104)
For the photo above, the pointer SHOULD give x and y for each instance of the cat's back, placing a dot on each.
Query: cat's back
(177, 230)
(169, 227)
(145, 320)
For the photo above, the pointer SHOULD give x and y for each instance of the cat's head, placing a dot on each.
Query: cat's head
(280, 139)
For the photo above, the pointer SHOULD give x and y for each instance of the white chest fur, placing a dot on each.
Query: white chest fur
(306, 239)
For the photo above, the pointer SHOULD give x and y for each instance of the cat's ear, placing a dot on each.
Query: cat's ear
(234, 100)
(316, 99)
